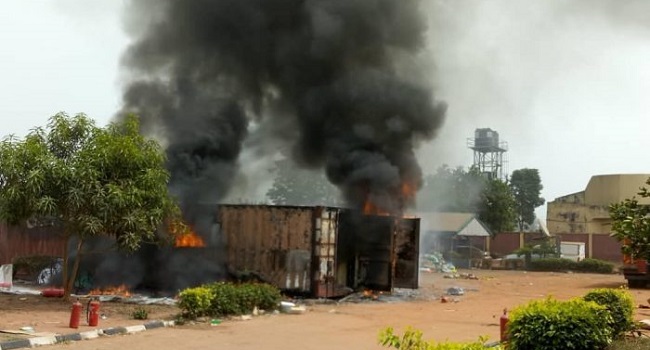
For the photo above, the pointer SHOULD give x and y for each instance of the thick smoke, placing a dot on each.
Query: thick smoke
(329, 71)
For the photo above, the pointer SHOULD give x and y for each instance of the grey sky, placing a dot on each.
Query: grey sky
(564, 82)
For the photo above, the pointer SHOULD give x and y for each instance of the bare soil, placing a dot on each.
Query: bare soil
(332, 325)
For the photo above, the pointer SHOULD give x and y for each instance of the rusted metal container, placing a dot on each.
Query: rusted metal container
(320, 251)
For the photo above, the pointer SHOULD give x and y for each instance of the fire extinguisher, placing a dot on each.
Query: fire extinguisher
(503, 325)
(92, 314)
(75, 315)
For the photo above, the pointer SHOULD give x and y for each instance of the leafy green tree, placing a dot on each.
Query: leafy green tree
(89, 181)
(526, 187)
(497, 208)
(631, 225)
(293, 186)
(457, 190)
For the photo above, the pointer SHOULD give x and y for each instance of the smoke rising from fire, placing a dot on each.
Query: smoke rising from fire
(332, 79)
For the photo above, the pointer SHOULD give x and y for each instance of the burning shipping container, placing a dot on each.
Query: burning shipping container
(320, 251)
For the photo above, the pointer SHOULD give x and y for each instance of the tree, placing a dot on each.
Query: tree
(631, 225)
(457, 190)
(497, 208)
(292, 186)
(526, 187)
(89, 181)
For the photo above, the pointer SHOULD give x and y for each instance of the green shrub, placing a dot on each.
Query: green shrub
(594, 266)
(620, 305)
(140, 313)
(551, 324)
(552, 264)
(412, 340)
(221, 299)
(196, 301)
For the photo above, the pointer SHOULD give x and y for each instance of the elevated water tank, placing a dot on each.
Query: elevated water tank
(486, 138)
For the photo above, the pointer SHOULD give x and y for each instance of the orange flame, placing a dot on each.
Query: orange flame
(121, 290)
(406, 197)
(190, 239)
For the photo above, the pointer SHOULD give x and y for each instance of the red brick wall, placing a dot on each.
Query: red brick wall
(22, 241)
(504, 243)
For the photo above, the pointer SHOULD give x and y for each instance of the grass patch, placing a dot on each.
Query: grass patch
(630, 344)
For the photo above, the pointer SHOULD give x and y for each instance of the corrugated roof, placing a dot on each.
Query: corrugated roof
(463, 224)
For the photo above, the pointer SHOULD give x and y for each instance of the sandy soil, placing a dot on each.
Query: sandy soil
(331, 326)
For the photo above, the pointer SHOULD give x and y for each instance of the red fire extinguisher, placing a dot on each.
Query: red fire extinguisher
(93, 313)
(503, 325)
(75, 315)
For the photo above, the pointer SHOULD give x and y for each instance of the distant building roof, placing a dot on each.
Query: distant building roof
(462, 224)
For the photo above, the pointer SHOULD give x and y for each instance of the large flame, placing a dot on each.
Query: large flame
(189, 239)
(121, 290)
(406, 195)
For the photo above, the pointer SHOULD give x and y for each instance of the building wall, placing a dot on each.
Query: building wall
(584, 216)
(571, 217)
(606, 189)
(22, 241)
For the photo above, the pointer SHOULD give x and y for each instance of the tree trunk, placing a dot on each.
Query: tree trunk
(69, 283)
(66, 272)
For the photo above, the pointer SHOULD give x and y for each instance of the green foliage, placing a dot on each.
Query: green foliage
(412, 340)
(620, 305)
(526, 187)
(294, 186)
(88, 180)
(551, 324)
(497, 208)
(196, 301)
(552, 264)
(140, 313)
(631, 225)
(457, 190)
(221, 299)
(560, 264)
(544, 249)
(594, 266)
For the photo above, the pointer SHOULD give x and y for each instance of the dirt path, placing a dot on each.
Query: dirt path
(352, 326)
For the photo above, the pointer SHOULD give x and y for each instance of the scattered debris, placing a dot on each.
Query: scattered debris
(291, 308)
(466, 276)
(246, 317)
(434, 262)
(132, 299)
(215, 322)
(455, 291)
(645, 324)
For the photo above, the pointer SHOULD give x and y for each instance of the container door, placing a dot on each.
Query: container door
(406, 253)
(365, 250)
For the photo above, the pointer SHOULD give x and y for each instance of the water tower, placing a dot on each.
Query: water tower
(489, 153)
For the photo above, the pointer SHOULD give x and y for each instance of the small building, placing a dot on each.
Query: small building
(584, 216)
(460, 237)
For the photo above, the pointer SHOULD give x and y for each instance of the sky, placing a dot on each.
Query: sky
(563, 82)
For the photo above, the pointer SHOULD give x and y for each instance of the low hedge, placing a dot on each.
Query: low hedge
(620, 305)
(412, 340)
(551, 324)
(222, 299)
(560, 264)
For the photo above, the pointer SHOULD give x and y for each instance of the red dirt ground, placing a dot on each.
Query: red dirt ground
(329, 326)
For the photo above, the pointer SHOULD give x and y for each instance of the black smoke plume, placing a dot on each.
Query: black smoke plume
(331, 72)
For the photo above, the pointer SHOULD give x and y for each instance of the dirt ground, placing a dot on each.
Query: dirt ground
(332, 325)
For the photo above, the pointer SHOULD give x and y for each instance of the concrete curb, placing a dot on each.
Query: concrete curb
(51, 340)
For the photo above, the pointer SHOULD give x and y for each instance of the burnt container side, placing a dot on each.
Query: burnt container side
(273, 242)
